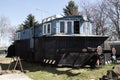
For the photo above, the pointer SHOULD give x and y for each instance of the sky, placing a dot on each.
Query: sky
(17, 10)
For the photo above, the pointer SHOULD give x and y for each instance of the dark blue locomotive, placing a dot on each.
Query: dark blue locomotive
(62, 41)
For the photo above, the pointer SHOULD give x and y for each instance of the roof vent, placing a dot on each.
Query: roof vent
(51, 18)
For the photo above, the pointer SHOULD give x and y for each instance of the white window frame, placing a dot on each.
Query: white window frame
(86, 28)
(47, 28)
(72, 25)
(60, 26)
(66, 25)
(43, 29)
(46, 31)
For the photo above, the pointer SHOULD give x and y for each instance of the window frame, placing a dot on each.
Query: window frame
(66, 26)
(86, 28)
(48, 32)
(71, 26)
(45, 30)
(60, 26)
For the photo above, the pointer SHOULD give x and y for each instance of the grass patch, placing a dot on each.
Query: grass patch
(52, 73)
(38, 72)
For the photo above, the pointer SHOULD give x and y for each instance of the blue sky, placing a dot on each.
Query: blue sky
(17, 10)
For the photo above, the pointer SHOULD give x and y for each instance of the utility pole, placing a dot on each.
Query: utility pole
(34, 38)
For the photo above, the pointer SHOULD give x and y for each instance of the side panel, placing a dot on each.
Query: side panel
(22, 49)
(65, 50)
(25, 34)
(45, 48)
(60, 50)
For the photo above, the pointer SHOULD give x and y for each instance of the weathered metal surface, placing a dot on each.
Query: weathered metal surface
(22, 49)
(59, 50)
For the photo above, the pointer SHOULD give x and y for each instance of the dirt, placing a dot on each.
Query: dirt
(14, 76)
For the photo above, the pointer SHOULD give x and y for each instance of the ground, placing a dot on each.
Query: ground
(10, 74)
(14, 76)
(36, 71)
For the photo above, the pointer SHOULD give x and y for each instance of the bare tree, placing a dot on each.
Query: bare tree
(113, 12)
(3, 26)
(95, 13)
(12, 33)
(6, 32)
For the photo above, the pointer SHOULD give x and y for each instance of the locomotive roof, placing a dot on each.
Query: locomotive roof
(49, 19)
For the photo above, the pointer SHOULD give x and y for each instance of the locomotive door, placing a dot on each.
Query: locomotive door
(76, 27)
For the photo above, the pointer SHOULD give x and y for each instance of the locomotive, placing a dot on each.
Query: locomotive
(61, 41)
